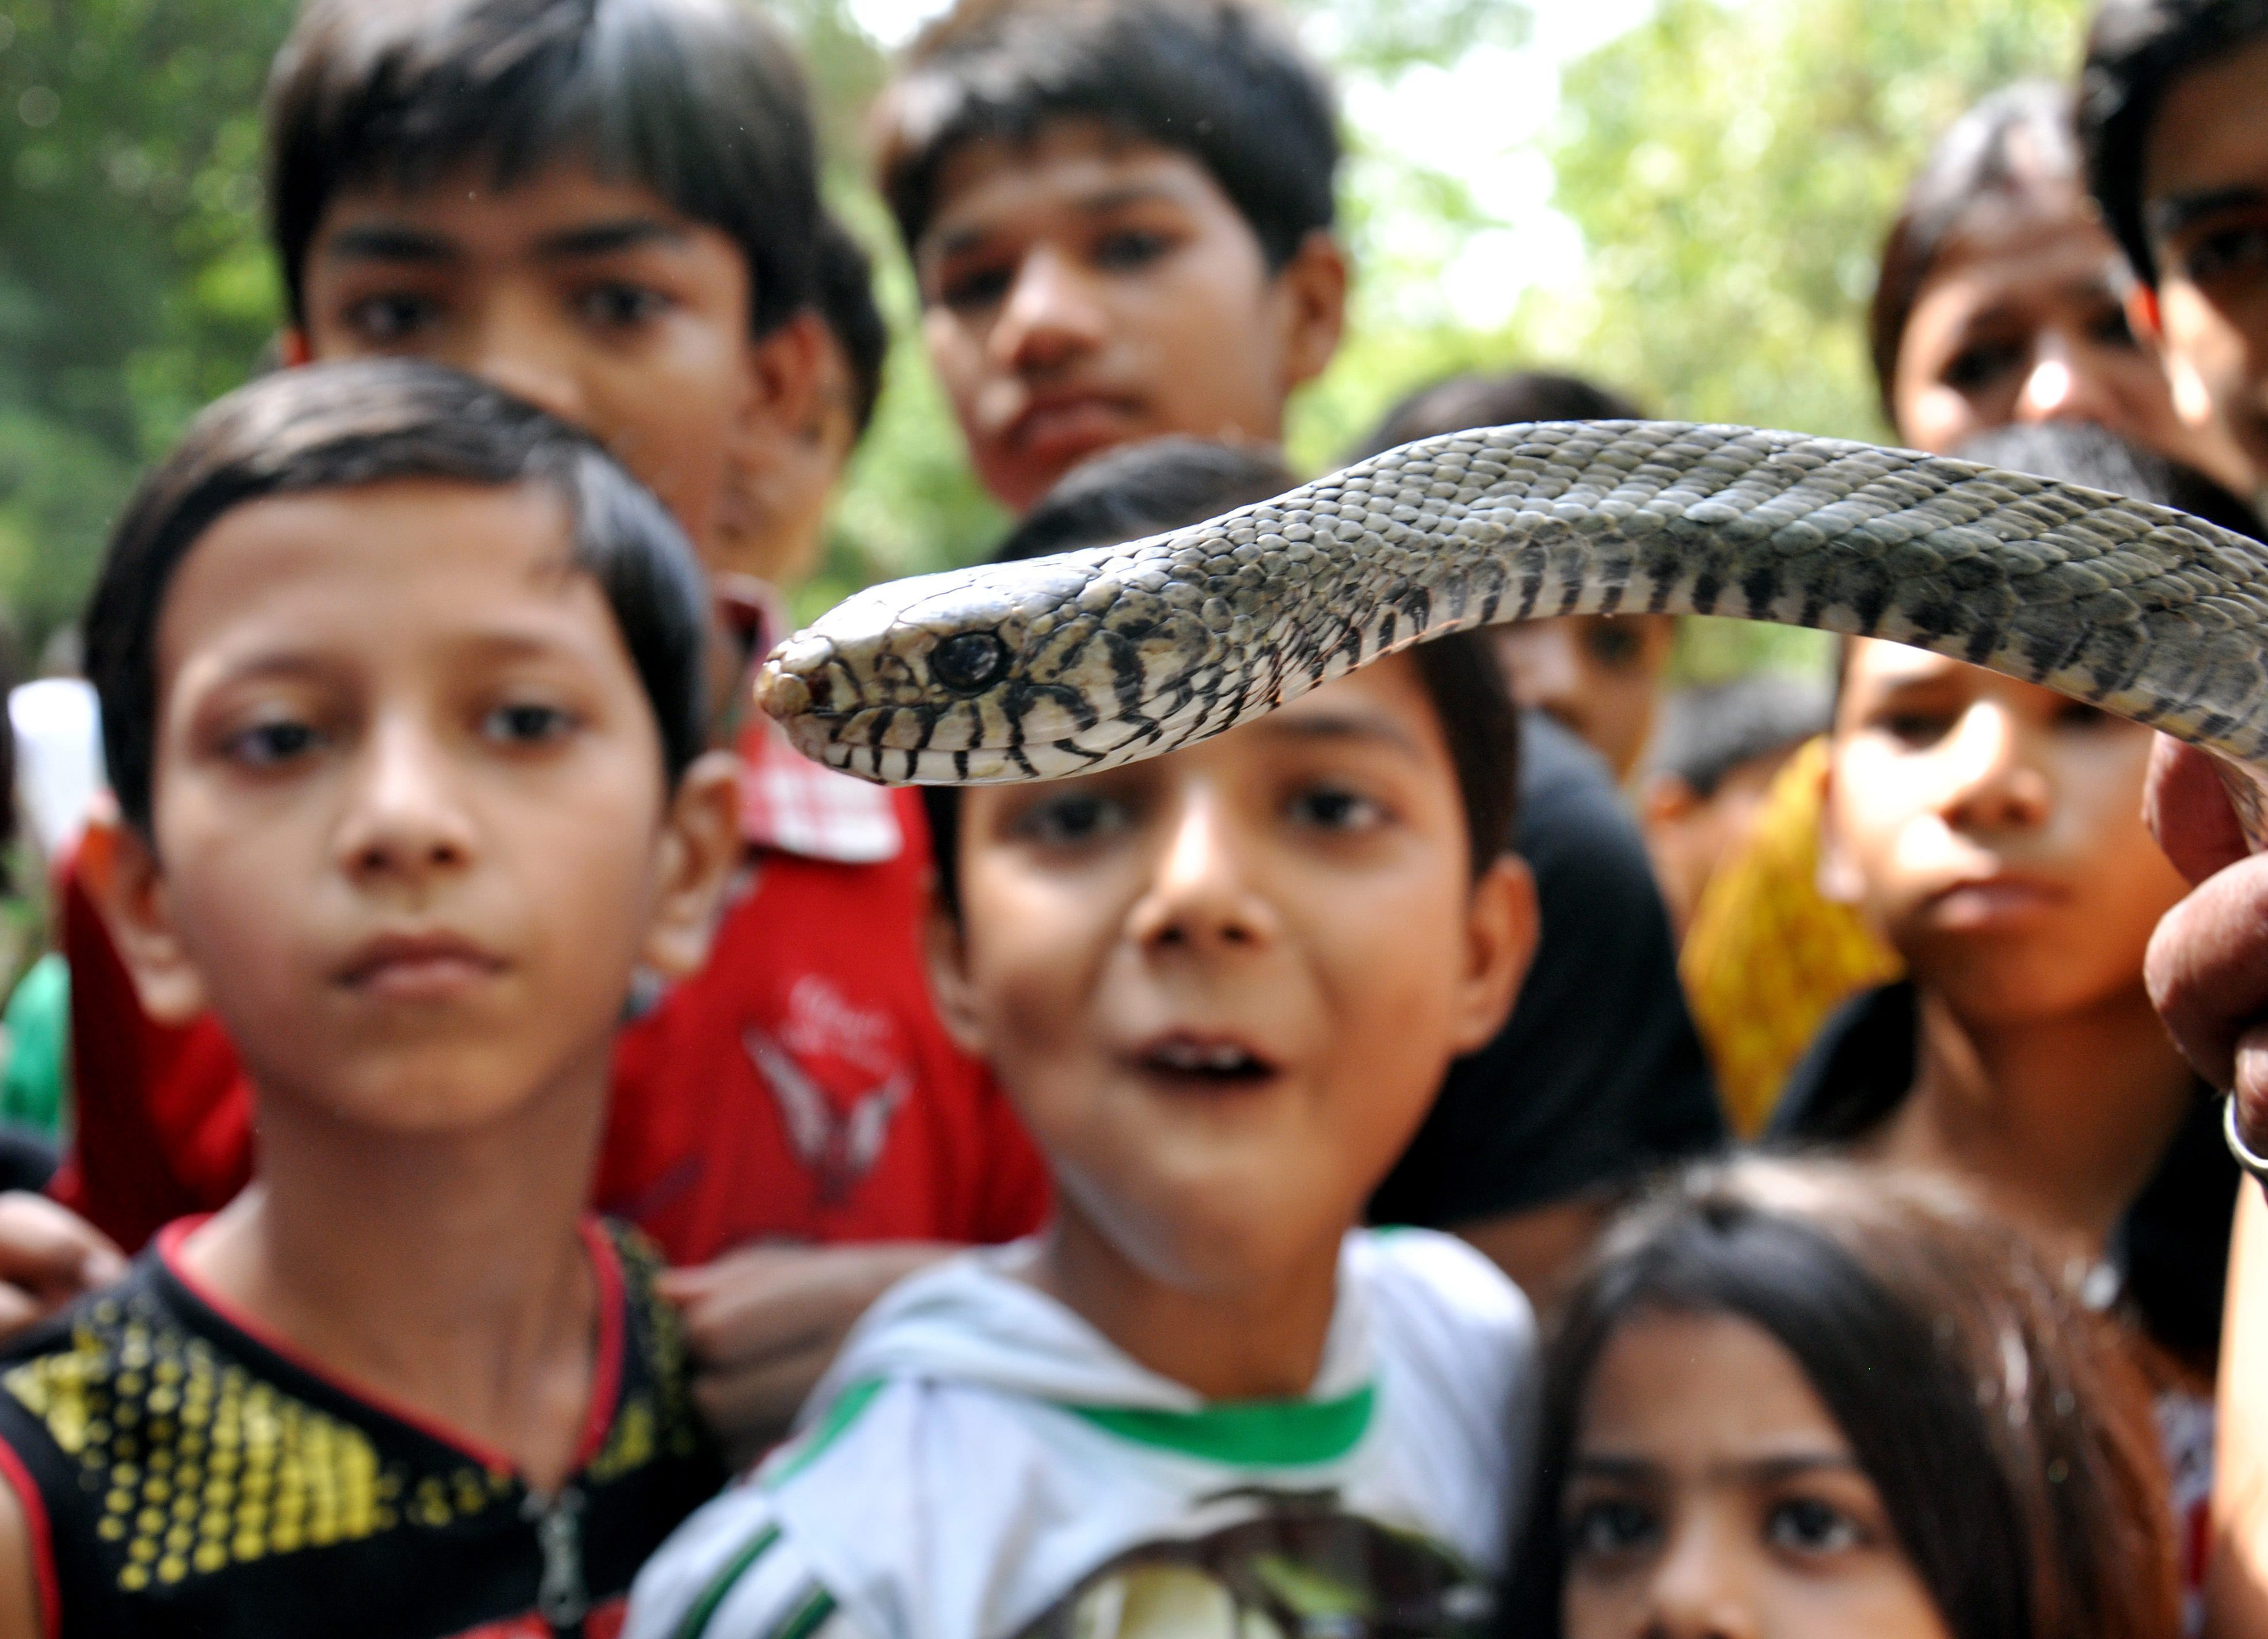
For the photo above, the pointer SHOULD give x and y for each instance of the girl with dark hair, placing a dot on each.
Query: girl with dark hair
(1788, 1400)
(2001, 297)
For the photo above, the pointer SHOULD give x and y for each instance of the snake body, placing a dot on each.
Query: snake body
(1082, 662)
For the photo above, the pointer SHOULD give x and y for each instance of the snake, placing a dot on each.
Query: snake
(1094, 659)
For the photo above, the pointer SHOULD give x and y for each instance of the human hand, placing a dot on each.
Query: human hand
(764, 1322)
(49, 1256)
(2207, 966)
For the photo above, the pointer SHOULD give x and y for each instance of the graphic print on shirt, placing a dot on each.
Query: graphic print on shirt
(838, 1132)
(1266, 1564)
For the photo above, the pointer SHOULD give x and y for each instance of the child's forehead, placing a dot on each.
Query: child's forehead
(569, 201)
(1385, 707)
(1071, 160)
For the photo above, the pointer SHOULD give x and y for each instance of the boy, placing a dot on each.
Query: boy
(1199, 1401)
(2177, 158)
(611, 208)
(401, 692)
(1121, 215)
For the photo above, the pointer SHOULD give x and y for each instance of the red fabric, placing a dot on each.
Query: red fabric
(869, 1124)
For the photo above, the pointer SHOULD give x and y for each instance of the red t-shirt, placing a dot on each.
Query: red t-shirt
(799, 1087)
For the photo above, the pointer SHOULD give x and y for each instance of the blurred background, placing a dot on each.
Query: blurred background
(1682, 199)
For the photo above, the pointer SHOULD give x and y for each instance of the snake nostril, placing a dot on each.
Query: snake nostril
(969, 662)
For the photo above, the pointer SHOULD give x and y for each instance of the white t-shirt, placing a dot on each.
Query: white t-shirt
(982, 1464)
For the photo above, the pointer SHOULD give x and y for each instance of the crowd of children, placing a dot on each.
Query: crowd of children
(1278, 1189)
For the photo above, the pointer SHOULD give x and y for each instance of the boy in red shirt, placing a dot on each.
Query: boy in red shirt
(612, 211)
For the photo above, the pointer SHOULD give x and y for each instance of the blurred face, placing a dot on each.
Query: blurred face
(1082, 291)
(2022, 320)
(597, 301)
(1688, 836)
(1711, 1494)
(1222, 986)
(1993, 831)
(1599, 674)
(411, 830)
(2204, 197)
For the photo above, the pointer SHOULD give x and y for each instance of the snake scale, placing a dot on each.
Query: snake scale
(1092, 659)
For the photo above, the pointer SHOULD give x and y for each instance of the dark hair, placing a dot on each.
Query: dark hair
(843, 279)
(343, 426)
(1221, 80)
(2017, 141)
(2136, 50)
(2010, 1439)
(1708, 733)
(1460, 402)
(699, 100)
(1171, 483)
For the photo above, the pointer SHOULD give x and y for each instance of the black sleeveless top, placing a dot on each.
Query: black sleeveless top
(181, 1474)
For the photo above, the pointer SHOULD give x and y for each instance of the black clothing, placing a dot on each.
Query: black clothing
(184, 1476)
(2172, 1249)
(1598, 1075)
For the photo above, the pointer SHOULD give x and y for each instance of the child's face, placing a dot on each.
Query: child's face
(1993, 831)
(599, 302)
(1710, 1492)
(2204, 192)
(1082, 291)
(410, 834)
(1599, 674)
(1223, 984)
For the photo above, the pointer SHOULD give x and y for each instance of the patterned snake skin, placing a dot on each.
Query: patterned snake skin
(1066, 664)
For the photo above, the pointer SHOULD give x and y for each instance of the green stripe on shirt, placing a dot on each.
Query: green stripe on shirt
(721, 1585)
(1246, 1434)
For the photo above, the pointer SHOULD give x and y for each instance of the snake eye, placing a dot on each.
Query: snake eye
(969, 662)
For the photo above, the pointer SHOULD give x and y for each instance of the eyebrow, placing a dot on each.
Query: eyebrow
(394, 242)
(1634, 1470)
(1343, 725)
(957, 240)
(2170, 215)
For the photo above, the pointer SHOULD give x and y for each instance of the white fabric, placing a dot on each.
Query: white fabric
(964, 1498)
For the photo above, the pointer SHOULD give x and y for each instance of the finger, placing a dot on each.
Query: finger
(2189, 810)
(18, 1309)
(46, 1245)
(749, 1409)
(2252, 1088)
(2207, 967)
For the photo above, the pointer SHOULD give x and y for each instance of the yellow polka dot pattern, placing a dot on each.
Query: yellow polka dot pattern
(201, 1465)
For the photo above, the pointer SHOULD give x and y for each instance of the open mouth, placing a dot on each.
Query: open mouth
(1205, 1062)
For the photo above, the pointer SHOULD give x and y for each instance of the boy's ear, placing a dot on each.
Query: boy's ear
(1312, 287)
(700, 844)
(120, 870)
(1501, 928)
(945, 950)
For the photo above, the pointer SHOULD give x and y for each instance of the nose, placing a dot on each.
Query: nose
(1992, 781)
(1052, 316)
(1546, 670)
(1201, 897)
(404, 822)
(2059, 386)
(515, 345)
(1701, 1590)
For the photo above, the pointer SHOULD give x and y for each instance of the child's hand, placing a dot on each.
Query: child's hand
(49, 1256)
(2208, 962)
(764, 1322)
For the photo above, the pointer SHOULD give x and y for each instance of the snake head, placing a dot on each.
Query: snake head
(943, 678)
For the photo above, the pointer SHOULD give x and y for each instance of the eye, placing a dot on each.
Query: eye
(526, 723)
(1981, 363)
(1073, 817)
(970, 289)
(2238, 251)
(616, 306)
(393, 318)
(969, 661)
(1612, 1529)
(1913, 728)
(1807, 1526)
(1612, 644)
(1126, 249)
(270, 745)
(2078, 715)
(1331, 808)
